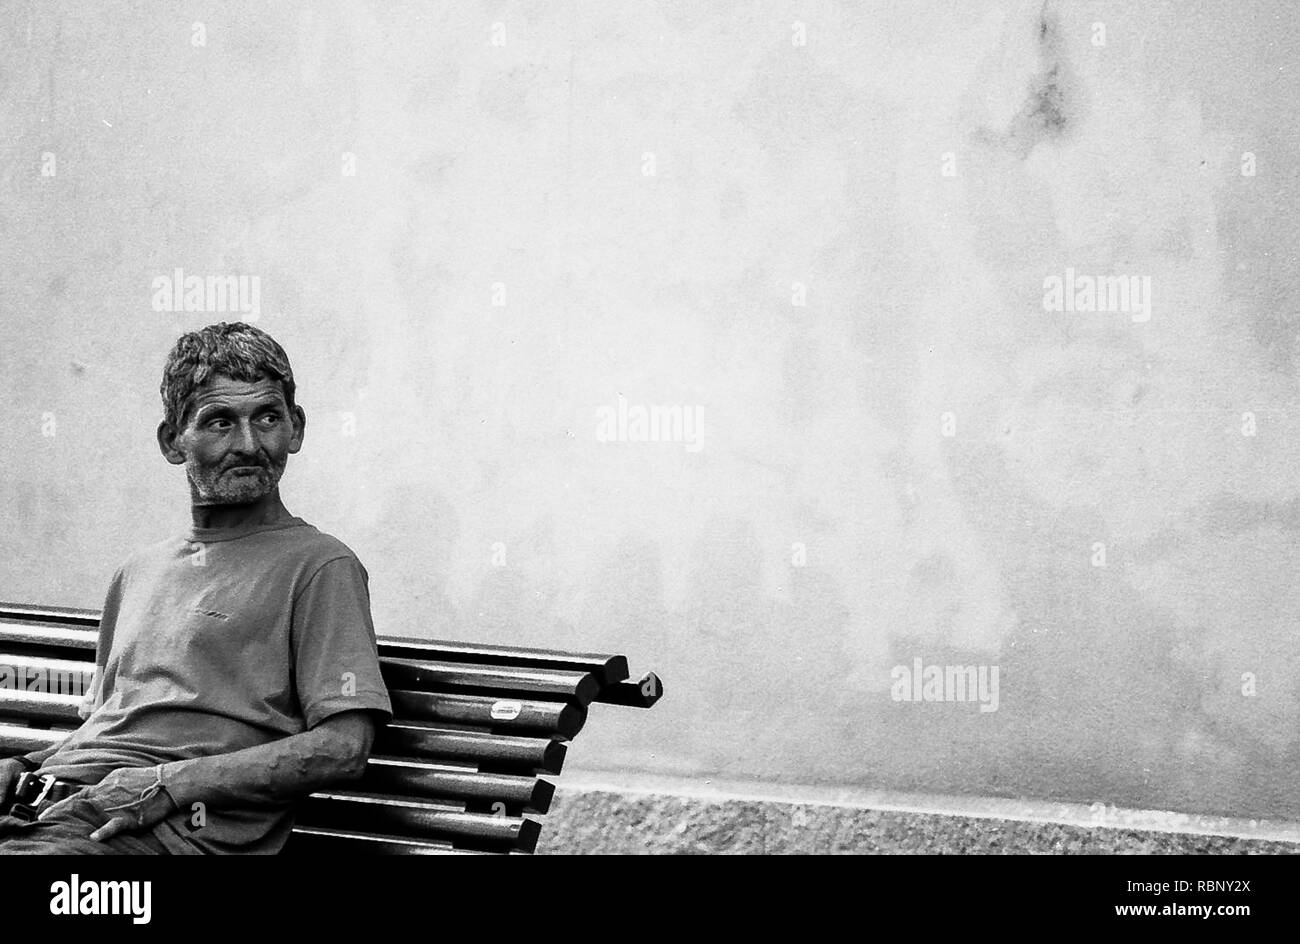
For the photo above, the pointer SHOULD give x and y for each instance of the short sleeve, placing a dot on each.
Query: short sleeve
(93, 696)
(335, 658)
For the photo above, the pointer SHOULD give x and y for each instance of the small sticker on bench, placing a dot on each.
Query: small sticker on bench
(506, 710)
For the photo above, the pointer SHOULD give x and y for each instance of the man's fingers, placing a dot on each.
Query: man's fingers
(110, 829)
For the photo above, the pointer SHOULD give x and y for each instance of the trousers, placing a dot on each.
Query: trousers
(68, 831)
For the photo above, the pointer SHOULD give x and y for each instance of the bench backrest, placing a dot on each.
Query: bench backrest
(466, 766)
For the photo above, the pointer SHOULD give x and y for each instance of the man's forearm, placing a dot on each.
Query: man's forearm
(274, 773)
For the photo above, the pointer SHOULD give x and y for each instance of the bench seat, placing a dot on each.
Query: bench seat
(466, 766)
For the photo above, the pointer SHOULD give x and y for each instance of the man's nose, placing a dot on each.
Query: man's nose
(246, 440)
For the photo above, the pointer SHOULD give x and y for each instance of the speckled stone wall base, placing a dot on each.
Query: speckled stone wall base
(608, 822)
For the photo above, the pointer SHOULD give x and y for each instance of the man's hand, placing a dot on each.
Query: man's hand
(132, 797)
(10, 771)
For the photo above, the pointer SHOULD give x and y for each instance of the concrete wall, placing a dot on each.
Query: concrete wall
(822, 230)
(676, 819)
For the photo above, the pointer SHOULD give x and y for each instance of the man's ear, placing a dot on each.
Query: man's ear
(299, 429)
(167, 436)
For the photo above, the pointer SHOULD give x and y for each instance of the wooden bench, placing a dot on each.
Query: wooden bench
(462, 768)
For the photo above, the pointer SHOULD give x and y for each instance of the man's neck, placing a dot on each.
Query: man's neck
(266, 510)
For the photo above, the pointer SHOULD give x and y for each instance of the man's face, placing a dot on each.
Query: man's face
(237, 438)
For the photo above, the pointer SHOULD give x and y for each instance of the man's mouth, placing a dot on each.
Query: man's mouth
(244, 469)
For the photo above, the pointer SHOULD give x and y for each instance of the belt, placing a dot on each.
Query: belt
(35, 791)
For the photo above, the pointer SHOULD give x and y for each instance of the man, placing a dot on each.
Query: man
(236, 670)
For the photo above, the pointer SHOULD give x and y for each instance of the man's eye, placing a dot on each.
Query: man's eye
(271, 418)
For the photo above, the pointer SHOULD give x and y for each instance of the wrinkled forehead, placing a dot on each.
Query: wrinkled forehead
(219, 389)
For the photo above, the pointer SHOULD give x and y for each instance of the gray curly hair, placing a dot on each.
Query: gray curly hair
(238, 350)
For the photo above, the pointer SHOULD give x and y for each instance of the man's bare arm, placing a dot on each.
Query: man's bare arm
(278, 772)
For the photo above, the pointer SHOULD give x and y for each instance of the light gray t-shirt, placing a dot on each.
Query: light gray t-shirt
(227, 639)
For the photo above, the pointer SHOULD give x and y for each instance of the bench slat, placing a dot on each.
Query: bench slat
(606, 669)
(308, 840)
(57, 614)
(414, 778)
(451, 676)
(47, 663)
(20, 739)
(422, 740)
(562, 719)
(39, 706)
(391, 816)
(15, 632)
(642, 693)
